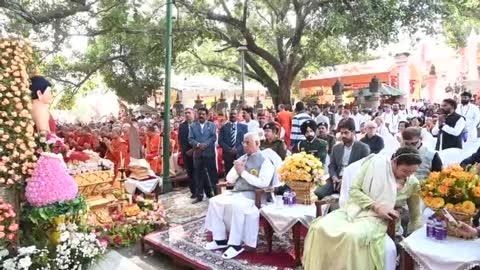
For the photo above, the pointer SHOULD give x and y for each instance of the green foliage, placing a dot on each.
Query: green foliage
(460, 19)
(285, 36)
(38, 222)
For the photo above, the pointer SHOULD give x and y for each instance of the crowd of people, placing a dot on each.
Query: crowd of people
(238, 145)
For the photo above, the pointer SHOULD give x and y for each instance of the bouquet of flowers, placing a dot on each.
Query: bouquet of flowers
(8, 227)
(453, 188)
(301, 172)
(301, 167)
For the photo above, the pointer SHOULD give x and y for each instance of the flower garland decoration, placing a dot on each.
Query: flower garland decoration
(8, 225)
(301, 167)
(453, 188)
(16, 125)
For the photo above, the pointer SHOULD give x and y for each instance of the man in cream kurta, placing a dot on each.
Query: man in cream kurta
(236, 211)
(472, 115)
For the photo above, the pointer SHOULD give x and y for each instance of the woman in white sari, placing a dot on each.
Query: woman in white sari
(354, 236)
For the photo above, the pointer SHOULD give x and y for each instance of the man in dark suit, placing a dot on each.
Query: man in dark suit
(186, 148)
(343, 154)
(202, 137)
(231, 140)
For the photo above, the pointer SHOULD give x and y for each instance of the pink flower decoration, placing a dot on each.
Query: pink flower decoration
(2, 228)
(50, 182)
(2, 235)
(11, 236)
(13, 227)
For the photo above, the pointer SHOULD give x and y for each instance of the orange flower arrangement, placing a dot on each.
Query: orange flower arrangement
(453, 188)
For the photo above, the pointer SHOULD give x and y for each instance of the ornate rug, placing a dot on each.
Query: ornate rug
(185, 243)
(179, 208)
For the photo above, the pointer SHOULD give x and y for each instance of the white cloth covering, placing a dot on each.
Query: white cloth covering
(452, 253)
(145, 186)
(283, 218)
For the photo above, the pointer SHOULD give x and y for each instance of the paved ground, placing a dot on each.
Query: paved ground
(150, 260)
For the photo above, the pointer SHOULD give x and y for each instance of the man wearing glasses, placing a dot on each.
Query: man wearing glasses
(431, 161)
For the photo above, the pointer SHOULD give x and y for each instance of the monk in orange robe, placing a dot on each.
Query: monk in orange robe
(117, 151)
(285, 120)
(153, 150)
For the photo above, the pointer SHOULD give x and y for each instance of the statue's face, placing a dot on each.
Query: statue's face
(46, 97)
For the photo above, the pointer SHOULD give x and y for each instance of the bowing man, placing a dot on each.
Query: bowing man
(236, 211)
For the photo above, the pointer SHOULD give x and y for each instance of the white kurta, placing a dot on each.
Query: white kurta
(236, 211)
(472, 117)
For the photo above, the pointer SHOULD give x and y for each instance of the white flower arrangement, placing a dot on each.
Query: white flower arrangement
(75, 251)
(24, 259)
(76, 248)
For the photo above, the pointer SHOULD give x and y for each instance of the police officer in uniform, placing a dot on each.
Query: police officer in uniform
(272, 141)
(312, 144)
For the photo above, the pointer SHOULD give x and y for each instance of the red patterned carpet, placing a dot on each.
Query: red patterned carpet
(184, 243)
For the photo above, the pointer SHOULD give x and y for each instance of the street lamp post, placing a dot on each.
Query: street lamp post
(242, 50)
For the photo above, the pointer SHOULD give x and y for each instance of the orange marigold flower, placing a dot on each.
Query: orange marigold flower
(468, 207)
(443, 190)
(438, 202)
(434, 176)
(476, 191)
(449, 206)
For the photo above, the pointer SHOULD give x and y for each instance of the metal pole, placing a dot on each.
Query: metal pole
(242, 51)
(243, 76)
(167, 184)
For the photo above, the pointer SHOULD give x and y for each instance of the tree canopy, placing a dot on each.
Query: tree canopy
(286, 39)
(284, 36)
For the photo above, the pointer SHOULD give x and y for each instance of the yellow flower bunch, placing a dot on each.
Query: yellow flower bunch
(453, 188)
(301, 167)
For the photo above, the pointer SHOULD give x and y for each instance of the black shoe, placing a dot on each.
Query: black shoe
(197, 200)
(210, 195)
(193, 196)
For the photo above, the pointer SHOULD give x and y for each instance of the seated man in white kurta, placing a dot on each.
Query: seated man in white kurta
(236, 211)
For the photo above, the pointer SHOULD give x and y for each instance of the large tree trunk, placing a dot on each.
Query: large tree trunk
(281, 93)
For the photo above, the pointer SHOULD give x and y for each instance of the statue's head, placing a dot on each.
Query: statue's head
(40, 89)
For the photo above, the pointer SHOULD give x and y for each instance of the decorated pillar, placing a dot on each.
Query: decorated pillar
(471, 55)
(374, 88)
(401, 60)
(337, 90)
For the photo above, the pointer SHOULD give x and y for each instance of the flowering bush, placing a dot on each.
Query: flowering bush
(8, 226)
(453, 188)
(301, 167)
(76, 250)
(27, 258)
(17, 144)
(40, 221)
